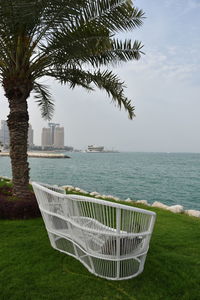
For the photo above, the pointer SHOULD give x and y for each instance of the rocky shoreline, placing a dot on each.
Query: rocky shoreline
(173, 208)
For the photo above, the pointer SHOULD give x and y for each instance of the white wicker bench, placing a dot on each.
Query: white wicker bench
(111, 240)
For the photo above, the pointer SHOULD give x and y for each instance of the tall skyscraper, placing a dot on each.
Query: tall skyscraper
(53, 136)
(30, 136)
(4, 134)
(59, 137)
(52, 127)
(46, 137)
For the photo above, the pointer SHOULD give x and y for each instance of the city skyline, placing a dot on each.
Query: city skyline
(55, 137)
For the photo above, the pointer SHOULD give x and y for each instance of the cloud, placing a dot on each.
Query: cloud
(161, 66)
(182, 7)
(192, 5)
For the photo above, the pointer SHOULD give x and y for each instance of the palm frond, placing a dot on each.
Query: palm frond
(90, 45)
(79, 45)
(115, 15)
(44, 100)
(115, 88)
(104, 80)
(118, 52)
(84, 28)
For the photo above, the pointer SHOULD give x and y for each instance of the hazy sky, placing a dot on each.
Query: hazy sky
(164, 86)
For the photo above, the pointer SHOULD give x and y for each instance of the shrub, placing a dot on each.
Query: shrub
(14, 208)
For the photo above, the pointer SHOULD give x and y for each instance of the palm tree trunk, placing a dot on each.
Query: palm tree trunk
(18, 128)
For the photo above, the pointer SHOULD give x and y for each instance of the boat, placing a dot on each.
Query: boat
(95, 149)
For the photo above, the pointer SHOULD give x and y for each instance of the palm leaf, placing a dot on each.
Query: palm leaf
(105, 80)
(115, 15)
(44, 100)
(114, 87)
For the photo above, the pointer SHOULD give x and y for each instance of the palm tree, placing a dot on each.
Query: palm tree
(59, 39)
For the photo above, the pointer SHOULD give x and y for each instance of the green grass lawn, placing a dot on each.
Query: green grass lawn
(31, 269)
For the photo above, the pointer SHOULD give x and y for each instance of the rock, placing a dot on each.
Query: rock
(77, 189)
(94, 194)
(110, 197)
(116, 199)
(83, 191)
(193, 213)
(175, 209)
(68, 187)
(128, 200)
(5, 178)
(160, 205)
(142, 202)
(97, 196)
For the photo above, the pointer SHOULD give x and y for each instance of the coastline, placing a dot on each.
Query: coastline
(173, 208)
(169, 179)
(40, 155)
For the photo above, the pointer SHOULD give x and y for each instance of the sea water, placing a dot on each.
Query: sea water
(171, 178)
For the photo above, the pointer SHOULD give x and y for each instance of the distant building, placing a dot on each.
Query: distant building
(52, 127)
(4, 134)
(46, 137)
(59, 137)
(30, 136)
(53, 136)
